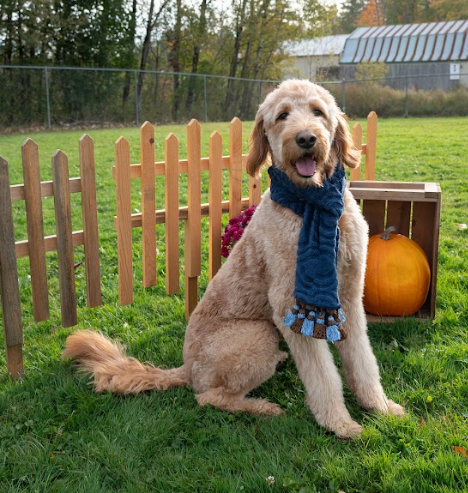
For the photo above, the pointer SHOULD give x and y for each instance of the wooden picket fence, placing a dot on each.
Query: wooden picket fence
(36, 246)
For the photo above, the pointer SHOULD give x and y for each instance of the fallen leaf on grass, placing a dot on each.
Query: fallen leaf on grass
(460, 451)
(421, 424)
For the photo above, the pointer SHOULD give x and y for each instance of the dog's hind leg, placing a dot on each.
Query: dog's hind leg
(236, 358)
(221, 398)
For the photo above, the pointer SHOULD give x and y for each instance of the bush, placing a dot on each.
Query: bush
(389, 102)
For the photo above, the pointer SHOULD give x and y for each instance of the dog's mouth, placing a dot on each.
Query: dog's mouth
(305, 166)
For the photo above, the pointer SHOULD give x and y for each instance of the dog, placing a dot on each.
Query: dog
(232, 339)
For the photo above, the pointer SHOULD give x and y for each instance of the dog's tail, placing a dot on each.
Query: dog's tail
(113, 370)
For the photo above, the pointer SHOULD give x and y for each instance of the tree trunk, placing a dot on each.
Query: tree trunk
(245, 72)
(235, 55)
(128, 75)
(175, 60)
(144, 54)
(196, 55)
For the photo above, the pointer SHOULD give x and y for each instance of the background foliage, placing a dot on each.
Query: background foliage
(243, 39)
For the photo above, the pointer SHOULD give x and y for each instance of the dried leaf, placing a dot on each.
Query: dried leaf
(460, 451)
(421, 424)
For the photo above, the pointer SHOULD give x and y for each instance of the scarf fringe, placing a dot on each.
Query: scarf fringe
(316, 322)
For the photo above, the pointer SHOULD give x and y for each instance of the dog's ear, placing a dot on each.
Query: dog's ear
(343, 145)
(259, 147)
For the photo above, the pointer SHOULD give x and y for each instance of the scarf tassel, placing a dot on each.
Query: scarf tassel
(319, 323)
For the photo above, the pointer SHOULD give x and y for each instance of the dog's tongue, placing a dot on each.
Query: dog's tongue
(306, 165)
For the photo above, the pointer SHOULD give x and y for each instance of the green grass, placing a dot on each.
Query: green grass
(56, 435)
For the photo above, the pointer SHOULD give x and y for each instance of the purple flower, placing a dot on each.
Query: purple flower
(234, 230)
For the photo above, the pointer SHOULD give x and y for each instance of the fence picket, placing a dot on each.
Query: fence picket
(90, 224)
(124, 221)
(35, 225)
(64, 239)
(9, 287)
(172, 214)
(255, 190)
(357, 140)
(192, 225)
(235, 168)
(148, 204)
(371, 145)
(215, 192)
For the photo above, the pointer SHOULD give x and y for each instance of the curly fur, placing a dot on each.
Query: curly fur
(231, 343)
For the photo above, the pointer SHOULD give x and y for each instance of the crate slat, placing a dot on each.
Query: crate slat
(424, 231)
(374, 212)
(399, 216)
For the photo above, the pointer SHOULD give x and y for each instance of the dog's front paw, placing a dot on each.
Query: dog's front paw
(348, 430)
(395, 409)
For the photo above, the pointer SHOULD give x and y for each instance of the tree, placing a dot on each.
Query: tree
(349, 15)
(200, 32)
(372, 14)
(449, 10)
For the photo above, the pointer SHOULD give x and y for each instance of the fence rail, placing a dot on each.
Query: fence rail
(35, 247)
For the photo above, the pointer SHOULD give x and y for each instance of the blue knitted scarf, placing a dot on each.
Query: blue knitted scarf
(317, 312)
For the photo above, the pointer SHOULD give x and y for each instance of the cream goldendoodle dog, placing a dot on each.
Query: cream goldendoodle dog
(231, 342)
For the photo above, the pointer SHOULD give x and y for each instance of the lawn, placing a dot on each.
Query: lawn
(57, 436)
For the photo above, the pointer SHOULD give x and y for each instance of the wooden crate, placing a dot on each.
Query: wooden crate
(414, 209)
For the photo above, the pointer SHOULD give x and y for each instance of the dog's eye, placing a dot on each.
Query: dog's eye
(317, 112)
(283, 116)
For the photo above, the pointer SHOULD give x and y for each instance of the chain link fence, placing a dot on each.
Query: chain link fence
(48, 97)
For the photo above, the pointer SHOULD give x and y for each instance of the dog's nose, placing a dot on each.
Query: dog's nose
(305, 139)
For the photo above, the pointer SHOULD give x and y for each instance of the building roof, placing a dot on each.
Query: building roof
(327, 45)
(427, 42)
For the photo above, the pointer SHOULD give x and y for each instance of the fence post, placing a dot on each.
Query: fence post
(10, 295)
(47, 97)
(137, 102)
(205, 97)
(406, 99)
(343, 95)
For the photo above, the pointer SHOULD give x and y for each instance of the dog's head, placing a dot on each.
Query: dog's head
(304, 131)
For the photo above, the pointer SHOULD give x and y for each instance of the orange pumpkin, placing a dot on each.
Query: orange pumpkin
(397, 275)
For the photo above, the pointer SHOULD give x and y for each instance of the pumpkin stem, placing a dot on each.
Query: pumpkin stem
(386, 234)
